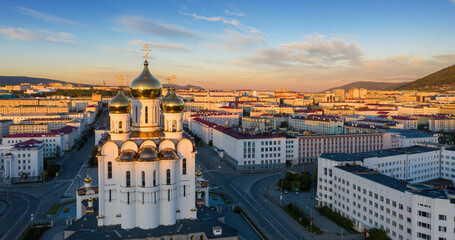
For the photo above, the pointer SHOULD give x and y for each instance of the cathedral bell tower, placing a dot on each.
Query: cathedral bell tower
(173, 114)
(119, 114)
(146, 91)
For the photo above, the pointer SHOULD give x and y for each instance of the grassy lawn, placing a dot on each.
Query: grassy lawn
(54, 209)
(337, 219)
(225, 199)
(34, 233)
(300, 217)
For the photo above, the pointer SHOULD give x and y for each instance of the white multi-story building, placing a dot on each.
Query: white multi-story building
(318, 124)
(52, 142)
(21, 158)
(390, 190)
(245, 152)
(408, 138)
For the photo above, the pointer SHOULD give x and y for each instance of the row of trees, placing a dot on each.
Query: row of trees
(294, 181)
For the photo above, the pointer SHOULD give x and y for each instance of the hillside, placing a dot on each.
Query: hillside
(444, 78)
(371, 85)
(16, 80)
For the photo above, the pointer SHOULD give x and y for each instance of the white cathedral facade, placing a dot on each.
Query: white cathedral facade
(146, 169)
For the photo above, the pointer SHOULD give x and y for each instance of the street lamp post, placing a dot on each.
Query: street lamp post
(281, 193)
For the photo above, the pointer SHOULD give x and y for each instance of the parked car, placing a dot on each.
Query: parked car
(296, 192)
(285, 191)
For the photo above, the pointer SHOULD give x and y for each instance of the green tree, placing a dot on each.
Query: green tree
(378, 234)
(93, 161)
(58, 151)
(284, 125)
(305, 181)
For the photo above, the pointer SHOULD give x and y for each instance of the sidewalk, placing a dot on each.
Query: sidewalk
(307, 202)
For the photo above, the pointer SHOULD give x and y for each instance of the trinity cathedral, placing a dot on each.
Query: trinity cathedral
(148, 184)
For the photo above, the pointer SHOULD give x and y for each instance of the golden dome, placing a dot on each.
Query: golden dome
(120, 103)
(165, 98)
(198, 173)
(90, 199)
(173, 104)
(88, 179)
(146, 85)
(199, 191)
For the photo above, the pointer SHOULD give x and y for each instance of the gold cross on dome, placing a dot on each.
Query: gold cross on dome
(146, 50)
(173, 77)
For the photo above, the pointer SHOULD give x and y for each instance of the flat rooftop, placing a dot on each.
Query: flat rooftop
(344, 157)
(375, 176)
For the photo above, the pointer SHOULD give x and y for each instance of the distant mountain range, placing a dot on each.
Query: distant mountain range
(16, 80)
(444, 78)
(371, 85)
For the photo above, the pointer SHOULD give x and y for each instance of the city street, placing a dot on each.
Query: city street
(249, 191)
(37, 198)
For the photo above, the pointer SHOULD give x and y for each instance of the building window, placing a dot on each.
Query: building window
(184, 191)
(146, 114)
(110, 195)
(154, 178)
(128, 179)
(169, 195)
(136, 112)
(128, 198)
(109, 170)
(120, 125)
(143, 179)
(168, 177)
(184, 166)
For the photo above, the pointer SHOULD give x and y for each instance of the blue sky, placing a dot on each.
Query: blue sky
(300, 45)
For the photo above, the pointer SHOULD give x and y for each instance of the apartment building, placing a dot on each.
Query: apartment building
(441, 124)
(323, 125)
(4, 127)
(21, 158)
(243, 151)
(310, 147)
(393, 190)
(28, 128)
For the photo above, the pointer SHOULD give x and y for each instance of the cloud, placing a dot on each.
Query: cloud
(45, 17)
(40, 35)
(453, 1)
(236, 41)
(119, 50)
(237, 13)
(234, 22)
(144, 25)
(315, 51)
(166, 46)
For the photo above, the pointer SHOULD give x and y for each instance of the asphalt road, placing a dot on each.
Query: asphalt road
(38, 198)
(248, 191)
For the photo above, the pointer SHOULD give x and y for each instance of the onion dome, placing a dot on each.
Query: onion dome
(173, 104)
(88, 179)
(168, 154)
(148, 153)
(199, 191)
(90, 199)
(165, 98)
(120, 103)
(146, 86)
(198, 173)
